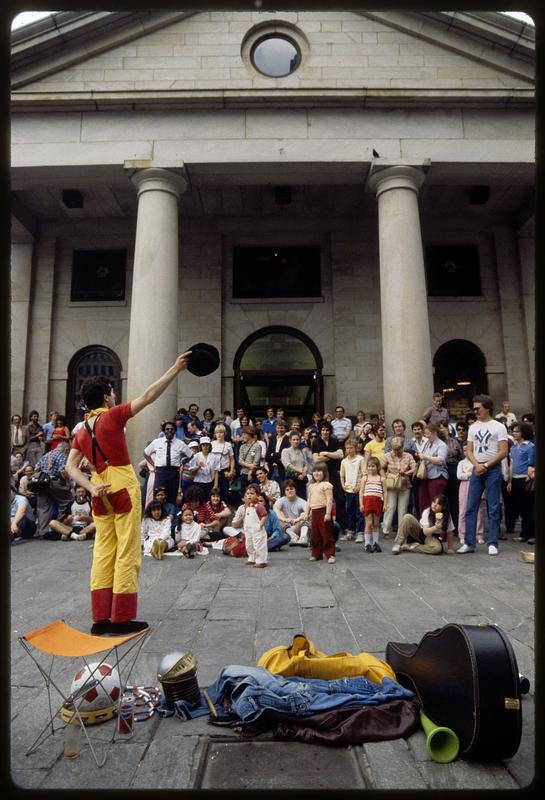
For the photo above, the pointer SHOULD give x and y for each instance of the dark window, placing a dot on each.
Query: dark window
(275, 55)
(98, 275)
(276, 272)
(453, 271)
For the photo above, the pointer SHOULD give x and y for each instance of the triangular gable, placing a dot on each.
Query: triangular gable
(408, 51)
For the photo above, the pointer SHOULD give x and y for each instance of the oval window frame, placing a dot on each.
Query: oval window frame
(267, 29)
(268, 36)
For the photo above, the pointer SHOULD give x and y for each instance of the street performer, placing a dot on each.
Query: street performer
(116, 499)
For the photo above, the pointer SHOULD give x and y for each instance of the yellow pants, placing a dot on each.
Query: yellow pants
(304, 660)
(117, 552)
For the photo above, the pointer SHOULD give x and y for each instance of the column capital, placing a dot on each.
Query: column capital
(383, 177)
(159, 180)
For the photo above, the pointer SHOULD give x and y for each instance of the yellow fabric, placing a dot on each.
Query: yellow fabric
(59, 639)
(304, 660)
(117, 553)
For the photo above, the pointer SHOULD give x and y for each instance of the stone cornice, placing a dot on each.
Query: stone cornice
(271, 98)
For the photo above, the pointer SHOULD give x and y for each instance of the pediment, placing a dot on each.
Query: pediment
(148, 54)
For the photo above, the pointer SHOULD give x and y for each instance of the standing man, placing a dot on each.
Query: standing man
(436, 413)
(341, 425)
(268, 426)
(169, 453)
(116, 500)
(486, 447)
(192, 416)
(327, 448)
(510, 417)
(399, 429)
(57, 494)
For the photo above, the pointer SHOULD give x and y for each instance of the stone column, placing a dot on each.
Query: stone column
(526, 246)
(406, 348)
(153, 335)
(21, 276)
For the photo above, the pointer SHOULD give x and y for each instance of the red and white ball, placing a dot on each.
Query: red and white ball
(104, 694)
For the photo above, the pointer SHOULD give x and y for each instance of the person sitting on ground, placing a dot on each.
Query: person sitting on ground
(195, 500)
(78, 525)
(188, 534)
(267, 487)
(426, 534)
(18, 468)
(291, 511)
(276, 538)
(23, 489)
(222, 513)
(160, 494)
(22, 523)
(155, 531)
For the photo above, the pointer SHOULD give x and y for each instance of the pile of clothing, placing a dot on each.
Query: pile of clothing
(300, 693)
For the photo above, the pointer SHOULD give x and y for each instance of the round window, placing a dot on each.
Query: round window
(276, 55)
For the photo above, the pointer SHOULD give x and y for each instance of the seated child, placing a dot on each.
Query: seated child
(221, 511)
(188, 534)
(195, 500)
(155, 531)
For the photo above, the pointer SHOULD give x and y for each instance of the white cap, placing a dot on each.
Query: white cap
(193, 443)
(205, 440)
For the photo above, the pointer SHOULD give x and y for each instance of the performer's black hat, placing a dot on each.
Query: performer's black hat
(204, 359)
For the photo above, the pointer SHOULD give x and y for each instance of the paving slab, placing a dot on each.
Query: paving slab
(226, 613)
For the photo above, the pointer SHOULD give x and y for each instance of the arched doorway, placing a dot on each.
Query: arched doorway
(93, 360)
(460, 372)
(282, 367)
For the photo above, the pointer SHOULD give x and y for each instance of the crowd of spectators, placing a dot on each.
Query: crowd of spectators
(386, 478)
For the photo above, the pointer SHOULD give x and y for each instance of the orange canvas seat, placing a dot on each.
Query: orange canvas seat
(59, 640)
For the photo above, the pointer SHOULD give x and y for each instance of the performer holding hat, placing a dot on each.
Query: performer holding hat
(116, 500)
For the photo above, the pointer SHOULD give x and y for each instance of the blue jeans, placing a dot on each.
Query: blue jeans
(354, 517)
(491, 481)
(251, 690)
(277, 540)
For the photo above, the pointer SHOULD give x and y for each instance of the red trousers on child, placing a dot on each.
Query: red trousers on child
(322, 541)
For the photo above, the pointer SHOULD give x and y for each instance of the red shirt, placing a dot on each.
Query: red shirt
(204, 513)
(110, 435)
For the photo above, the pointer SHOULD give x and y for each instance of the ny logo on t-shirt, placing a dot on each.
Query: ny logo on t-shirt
(483, 440)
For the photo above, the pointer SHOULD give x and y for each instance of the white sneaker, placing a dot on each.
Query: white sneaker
(492, 550)
(65, 537)
(465, 549)
(359, 538)
(345, 537)
(396, 549)
(77, 537)
(303, 541)
(331, 560)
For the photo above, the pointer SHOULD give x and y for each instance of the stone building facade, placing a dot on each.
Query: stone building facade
(399, 143)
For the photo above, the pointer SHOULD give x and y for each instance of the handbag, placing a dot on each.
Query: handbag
(420, 471)
(529, 486)
(39, 482)
(393, 480)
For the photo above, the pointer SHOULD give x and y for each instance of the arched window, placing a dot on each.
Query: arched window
(282, 367)
(90, 361)
(460, 372)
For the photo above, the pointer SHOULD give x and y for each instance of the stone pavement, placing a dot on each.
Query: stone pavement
(226, 613)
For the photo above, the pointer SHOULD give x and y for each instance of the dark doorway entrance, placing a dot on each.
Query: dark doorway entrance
(460, 373)
(93, 360)
(281, 367)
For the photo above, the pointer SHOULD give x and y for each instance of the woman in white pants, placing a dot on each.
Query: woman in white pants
(398, 467)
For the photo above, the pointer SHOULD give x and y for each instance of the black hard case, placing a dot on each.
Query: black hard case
(466, 678)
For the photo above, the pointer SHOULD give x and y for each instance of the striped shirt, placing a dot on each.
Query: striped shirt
(372, 486)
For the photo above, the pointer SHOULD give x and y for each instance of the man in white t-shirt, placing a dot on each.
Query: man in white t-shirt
(486, 447)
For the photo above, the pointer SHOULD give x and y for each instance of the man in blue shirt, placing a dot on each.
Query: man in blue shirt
(22, 524)
(58, 493)
(522, 457)
(268, 426)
